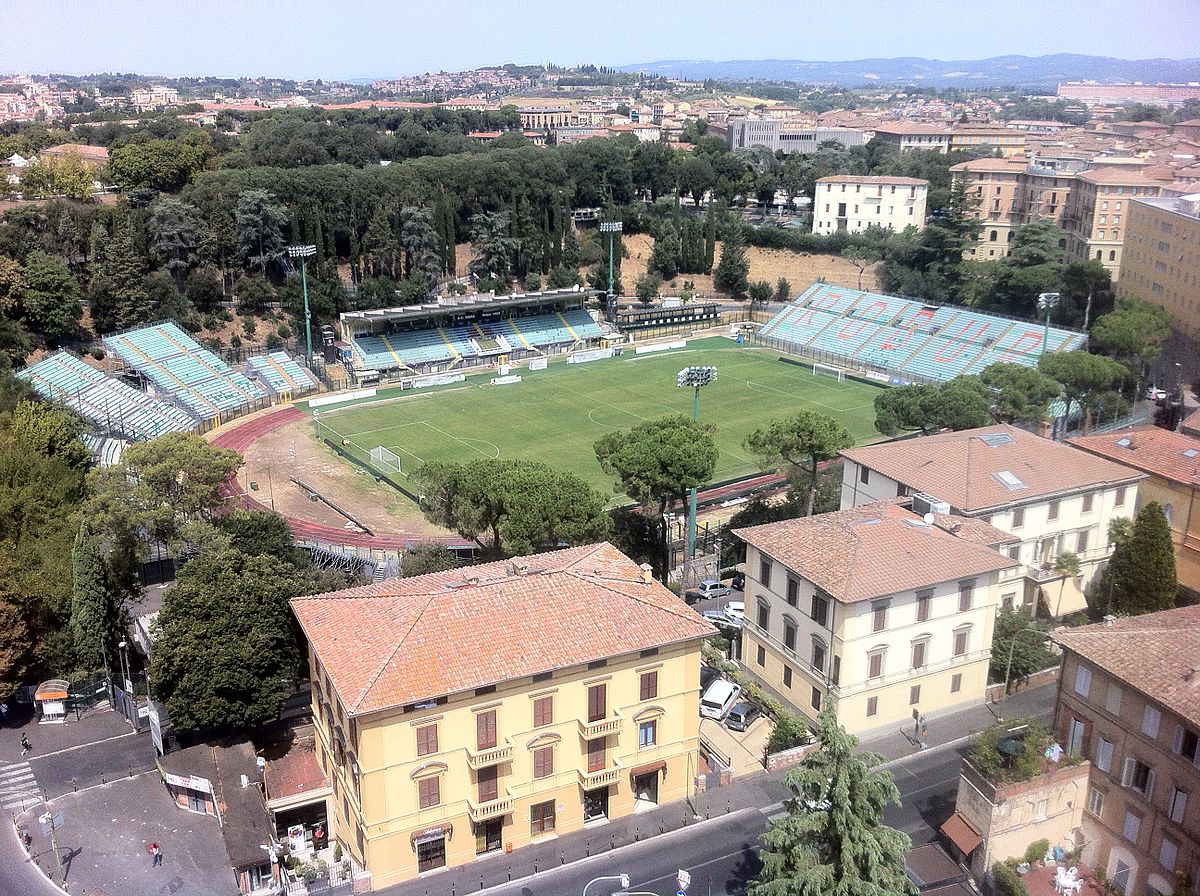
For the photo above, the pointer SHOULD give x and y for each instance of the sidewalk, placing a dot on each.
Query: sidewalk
(762, 790)
(97, 724)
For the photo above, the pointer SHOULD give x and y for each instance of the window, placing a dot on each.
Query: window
(760, 656)
(1052, 511)
(1087, 502)
(488, 784)
(789, 634)
(485, 730)
(914, 695)
(1119, 500)
(966, 593)
(902, 490)
(1008, 600)
(1150, 719)
(597, 702)
(647, 733)
(1132, 827)
(820, 610)
(955, 682)
(879, 616)
(1095, 801)
(1177, 804)
(764, 615)
(1083, 680)
(793, 592)
(919, 650)
(648, 688)
(993, 236)
(818, 654)
(1081, 541)
(872, 706)
(543, 762)
(541, 818)
(1104, 754)
(787, 676)
(864, 475)
(1039, 810)
(875, 664)
(1167, 852)
(960, 641)
(543, 712)
(1138, 776)
(923, 601)
(1187, 744)
(1018, 517)
(427, 740)
(836, 672)
(815, 700)
(1112, 700)
(597, 760)
(764, 571)
(429, 792)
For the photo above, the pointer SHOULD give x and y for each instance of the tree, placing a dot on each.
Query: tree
(203, 289)
(1083, 376)
(64, 175)
(1133, 332)
(647, 287)
(426, 557)
(92, 613)
(261, 532)
(493, 247)
(1018, 646)
(225, 651)
(961, 403)
(667, 255)
(1066, 565)
(12, 286)
(862, 257)
(1020, 394)
(783, 291)
(259, 221)
(253, 294)
(174, 230)
(50, 432)
(1141, 573)
(760, 292)
(732, 273)
(801, 442)
(124, 270)
(163, 165)
(522, 506)
(694, 176)
(833, 839)
(419, 241)
(1086, 282)
(659, 460)
(51, 302)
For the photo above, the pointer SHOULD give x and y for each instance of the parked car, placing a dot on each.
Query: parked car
(1156, 394)
(742, 716)
(719, 698)
(736, 610)
(707, 589)
(738, 582)
(707, 676)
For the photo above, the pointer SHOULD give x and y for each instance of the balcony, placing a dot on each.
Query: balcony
(602, 728)
(605, 777)
(492, 809)
(478, 759)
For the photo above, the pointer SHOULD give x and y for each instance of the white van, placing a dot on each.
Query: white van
(720, 697)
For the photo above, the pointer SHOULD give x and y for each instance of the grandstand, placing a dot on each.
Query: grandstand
(905, 339)
(469, 331)
(188, 374)
(280, 375)
(108, 404)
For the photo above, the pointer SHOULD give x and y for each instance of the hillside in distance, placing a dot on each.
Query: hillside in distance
(998, 71)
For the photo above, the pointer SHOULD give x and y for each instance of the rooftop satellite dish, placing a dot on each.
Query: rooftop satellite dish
(928, 518)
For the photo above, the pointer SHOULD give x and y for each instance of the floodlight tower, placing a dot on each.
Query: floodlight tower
(304, 253)
(1047, 302)
(611, 228)
(695, 377)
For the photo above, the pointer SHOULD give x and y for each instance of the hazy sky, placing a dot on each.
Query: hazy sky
(360, 39)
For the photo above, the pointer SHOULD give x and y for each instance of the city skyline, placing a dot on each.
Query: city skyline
(368, 40)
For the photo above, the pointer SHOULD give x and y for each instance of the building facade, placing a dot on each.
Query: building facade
(1097, 209)
(906, 136)
(539, 118)
(855, 202)
(872, 613)
(1052, 498)
(1009, 142)
(1161, 260)
(1129, 700)
(778, 134)
(487, 708)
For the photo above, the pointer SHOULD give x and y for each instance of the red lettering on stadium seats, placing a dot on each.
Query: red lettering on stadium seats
(965, 330)
(859, 326)
(1029, 336)
(891, 344)
(958, 345)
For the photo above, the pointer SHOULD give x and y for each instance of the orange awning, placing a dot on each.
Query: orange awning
(962, 833)
(647, 769)
(54, 689)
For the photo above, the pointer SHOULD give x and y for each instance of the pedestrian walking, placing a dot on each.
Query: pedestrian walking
(25, 745)
(155, 855)
(3, 712)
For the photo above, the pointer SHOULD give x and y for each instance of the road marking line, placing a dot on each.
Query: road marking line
(84, 746)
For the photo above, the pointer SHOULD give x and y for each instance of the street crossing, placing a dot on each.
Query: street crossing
(18, 787)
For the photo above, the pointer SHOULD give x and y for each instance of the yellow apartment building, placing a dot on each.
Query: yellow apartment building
(1161, 262)
(875, 613)
(1009, 142)
(1097, 213)
(486, 708)
(1171, 462)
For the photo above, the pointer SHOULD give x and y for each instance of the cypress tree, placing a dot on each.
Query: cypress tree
(1141, 574)
(710, 240)
(126, 272)
(91, 608)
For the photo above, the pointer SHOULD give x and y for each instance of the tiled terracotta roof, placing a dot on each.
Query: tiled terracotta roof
(403, 641)
(1150, 449)
(1009, 166)
(1114, 175)
(967, 472)
(295, 772)
(1158, 654)
(872, 179)
(84, 151)
(872, 551)
(912, 127)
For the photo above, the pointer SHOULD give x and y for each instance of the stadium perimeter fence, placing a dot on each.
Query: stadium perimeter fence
(853, 368)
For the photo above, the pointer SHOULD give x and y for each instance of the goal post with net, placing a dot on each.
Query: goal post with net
(829, 370)
(385, 460)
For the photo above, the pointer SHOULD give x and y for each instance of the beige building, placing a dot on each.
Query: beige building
(1129, 700)
(1171, 462)
(872, 612)
(544, 118)
(494, 706)
(909, 135)
(1097, 211)
(1052, 498)
(855, 202)
(1009, 142)
(1161, 261)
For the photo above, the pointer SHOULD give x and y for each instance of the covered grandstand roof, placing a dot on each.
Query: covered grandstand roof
(473, 302)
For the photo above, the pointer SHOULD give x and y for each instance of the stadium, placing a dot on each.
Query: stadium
(536, 376)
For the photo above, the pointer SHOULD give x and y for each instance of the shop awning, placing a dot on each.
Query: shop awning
(1064, 597)
(647, 769)
(54, 689)
(962, 833)
(430, 834)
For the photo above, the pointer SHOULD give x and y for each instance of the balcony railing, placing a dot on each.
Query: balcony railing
(602, 728)
(478, 759)
(491, 809)
(601, 778)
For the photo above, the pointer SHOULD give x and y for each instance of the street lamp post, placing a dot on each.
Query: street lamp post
(694, 377)
(1047, 302)
(1012, 646)
(622, 879)
(304, 253)
(611, 228)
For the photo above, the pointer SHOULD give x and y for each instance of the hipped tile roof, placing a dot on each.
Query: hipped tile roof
(1151, 449)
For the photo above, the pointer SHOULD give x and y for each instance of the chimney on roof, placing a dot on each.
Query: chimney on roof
(647, 573)
(1193, 677)
(472, 580)
(1110, 619)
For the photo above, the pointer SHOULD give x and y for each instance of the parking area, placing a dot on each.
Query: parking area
(743, 750)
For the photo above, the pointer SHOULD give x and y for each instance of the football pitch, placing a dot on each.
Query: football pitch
(556, 415)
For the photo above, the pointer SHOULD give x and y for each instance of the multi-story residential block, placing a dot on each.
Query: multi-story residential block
(874, 612)
(1097, 209)
(1092, 94)
(854, 202)
(1161, 261)
(486, 708)
(907, 135)
(147, 99)
(1129, 700)
(1009, 142)
(1053, 498)
(1171, 462)
(778, 134)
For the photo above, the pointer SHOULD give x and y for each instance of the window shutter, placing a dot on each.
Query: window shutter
(1127, 772)
(1149, 792)
(1177, 746)
(1178, 805)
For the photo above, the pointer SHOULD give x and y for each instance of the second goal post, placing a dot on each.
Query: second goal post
(385, 459)
(829, 370)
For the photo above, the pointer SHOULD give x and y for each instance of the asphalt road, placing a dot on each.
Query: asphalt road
(93, 764)
(18, 877)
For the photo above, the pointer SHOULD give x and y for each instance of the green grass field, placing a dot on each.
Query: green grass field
(556, 415)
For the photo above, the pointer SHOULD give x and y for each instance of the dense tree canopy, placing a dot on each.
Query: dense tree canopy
(1140, 577)
(660, 460)
(961, 403)
(801, 441)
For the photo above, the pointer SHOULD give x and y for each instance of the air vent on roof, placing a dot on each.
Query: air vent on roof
(1190, 453)
(1009, 480)
(996, 439)
(923, 504)
(1124, 443)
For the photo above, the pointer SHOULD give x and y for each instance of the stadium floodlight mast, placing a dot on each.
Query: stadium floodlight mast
(1047, 302)
(695, 377)
(611, 228)
(304, 253)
